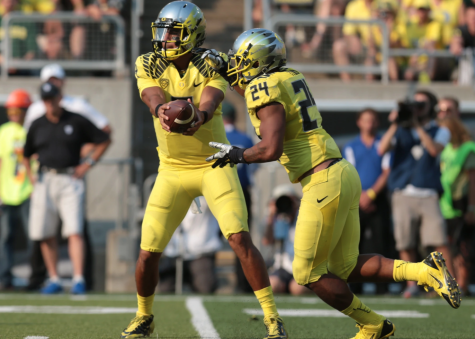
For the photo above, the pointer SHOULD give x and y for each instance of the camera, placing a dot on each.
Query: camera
(407, 109)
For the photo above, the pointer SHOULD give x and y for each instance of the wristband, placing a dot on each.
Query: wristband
(206, 117)
(371, 193)
(90, 161)
(156, 109)
(236, 155)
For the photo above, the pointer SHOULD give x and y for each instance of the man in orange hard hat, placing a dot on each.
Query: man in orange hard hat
(15, 187)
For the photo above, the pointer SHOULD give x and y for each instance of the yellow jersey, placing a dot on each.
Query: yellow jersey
(175, 149)
(306, 143)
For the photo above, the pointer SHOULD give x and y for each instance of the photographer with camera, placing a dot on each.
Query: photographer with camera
(414, 180)
(280, 232)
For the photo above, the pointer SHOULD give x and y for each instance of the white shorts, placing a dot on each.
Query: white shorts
(55, 197)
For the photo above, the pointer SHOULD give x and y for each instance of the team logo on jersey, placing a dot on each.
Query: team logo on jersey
(68, 129)
(164, 83)
(181, 85)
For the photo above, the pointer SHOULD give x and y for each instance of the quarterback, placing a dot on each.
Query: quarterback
(169, 73)
(286, 119)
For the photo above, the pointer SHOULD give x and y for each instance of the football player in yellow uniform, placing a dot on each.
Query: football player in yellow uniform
(172, 72)
(286, 119)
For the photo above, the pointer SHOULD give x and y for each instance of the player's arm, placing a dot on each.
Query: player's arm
(209, 102)
(155, 99)
(272, 130)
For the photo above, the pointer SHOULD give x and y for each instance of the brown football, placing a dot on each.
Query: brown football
(182, 116)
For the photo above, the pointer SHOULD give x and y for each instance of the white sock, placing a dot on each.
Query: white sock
(78, 279)
(54, 279)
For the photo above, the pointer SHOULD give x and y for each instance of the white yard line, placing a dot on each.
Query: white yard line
(334, 313)
(66, 309)
(473, 316)
(200, 318)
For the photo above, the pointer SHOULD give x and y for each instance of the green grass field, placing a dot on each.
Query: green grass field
(104, 316)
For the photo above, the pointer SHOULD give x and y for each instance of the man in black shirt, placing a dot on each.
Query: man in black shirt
(464, 36)
(57, 138)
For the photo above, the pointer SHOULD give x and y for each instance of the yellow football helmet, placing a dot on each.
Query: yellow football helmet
(186, 22)
(255, 52)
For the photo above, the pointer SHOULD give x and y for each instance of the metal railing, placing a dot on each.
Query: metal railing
(275, 21)
(78, 42)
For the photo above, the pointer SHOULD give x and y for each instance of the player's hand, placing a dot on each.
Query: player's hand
(198, 123)
(81, 170)
(222, 155)
(214, 59)
(160, 114)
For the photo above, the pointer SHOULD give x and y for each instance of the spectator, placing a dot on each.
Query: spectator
(15, 186)
(448, 106)
(414, 180)
(464, 36)
(235, 137)
(196, 241)
(22, 35)
(355, 36)
(57, 138)
(373, 169)
(458, 200)
(325, 9)
(446, 12)
(386, 11)
(295, 35)
(422, 33)
(55, 74)
(280, 230)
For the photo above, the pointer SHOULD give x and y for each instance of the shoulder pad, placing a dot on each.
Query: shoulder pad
(154, 66)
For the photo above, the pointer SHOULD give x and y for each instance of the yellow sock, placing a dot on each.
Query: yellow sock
(406, 271)
(145, 305)
(266, 299)
(362, 313)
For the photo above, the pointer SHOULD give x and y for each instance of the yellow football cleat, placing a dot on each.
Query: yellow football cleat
(437, 276)
(139, 327)
(384, 330)
(275, 328)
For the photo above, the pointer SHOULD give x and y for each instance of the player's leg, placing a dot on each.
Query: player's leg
(326, 242)
(223, 193)
(166, 208)
(431, 272)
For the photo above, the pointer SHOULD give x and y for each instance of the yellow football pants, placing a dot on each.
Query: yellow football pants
(328, 226)
(173, 193)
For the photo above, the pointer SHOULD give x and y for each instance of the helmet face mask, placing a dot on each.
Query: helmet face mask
(255, 52)
(180, 27)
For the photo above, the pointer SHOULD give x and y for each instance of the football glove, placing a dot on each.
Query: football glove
(218, 61)
(228, 154)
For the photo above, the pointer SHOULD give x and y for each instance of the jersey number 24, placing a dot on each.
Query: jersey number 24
(298, 86)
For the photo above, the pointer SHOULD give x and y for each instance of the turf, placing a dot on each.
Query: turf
(173, 320)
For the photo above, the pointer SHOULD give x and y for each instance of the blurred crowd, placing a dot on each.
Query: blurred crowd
(430, 25)
(60, 40)
(46, 149)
